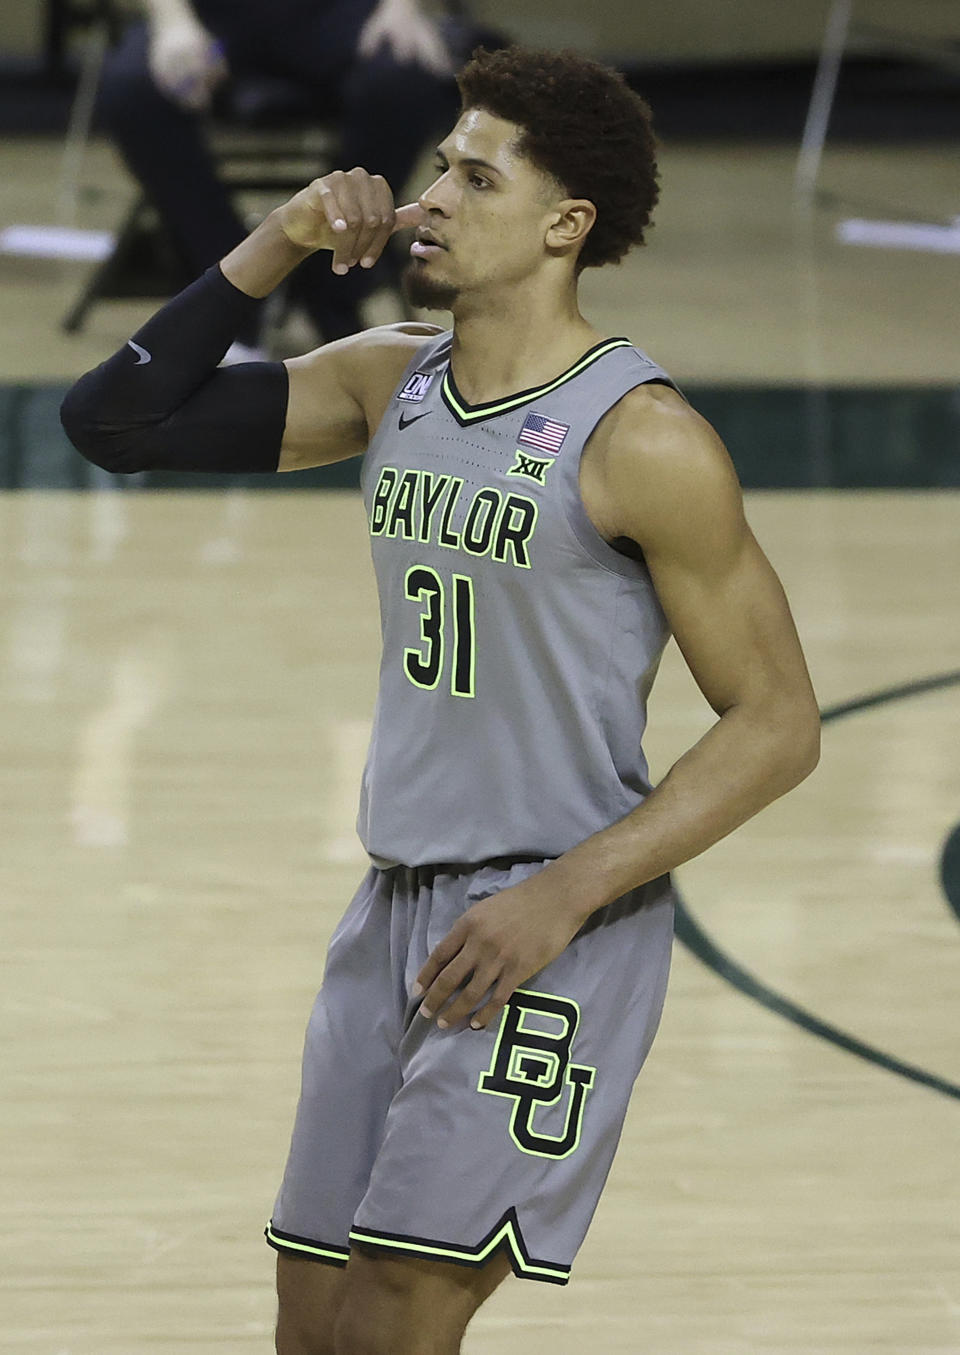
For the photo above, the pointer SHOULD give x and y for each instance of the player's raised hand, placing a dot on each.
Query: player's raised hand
(350, 212)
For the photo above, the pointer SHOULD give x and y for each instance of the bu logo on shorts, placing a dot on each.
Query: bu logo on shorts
(416, 387)
(532, 1065)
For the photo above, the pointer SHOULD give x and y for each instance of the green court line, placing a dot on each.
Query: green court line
(699, 943)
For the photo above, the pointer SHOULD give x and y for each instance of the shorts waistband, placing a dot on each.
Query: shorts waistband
(423, 876)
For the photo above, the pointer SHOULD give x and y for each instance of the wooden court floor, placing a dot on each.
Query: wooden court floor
(185, 685)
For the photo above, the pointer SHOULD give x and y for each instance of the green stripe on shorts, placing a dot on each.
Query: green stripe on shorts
(506, 1231)
(301, 1246)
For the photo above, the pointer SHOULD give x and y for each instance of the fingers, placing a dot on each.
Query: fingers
(369, 220)
(458, 973)
(351, 213)
(454, 976)
(410, 216)
(499, 998)
(470, 1000)
(359, 208)
(380, 219)
(437, 961)
(464, 989)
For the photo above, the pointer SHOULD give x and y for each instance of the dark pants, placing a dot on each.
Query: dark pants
(385, 113)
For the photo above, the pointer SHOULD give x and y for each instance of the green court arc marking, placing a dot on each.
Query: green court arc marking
(950, 870)
(473, 413)
(691, 934)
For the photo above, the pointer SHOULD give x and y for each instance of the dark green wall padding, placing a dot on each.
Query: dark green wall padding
(779, 437)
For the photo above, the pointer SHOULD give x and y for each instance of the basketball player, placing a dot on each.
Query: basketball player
(544, 509)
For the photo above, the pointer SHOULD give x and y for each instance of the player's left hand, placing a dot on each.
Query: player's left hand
(493, 948)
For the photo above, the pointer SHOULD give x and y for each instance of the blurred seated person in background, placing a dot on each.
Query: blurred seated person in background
(380, 71)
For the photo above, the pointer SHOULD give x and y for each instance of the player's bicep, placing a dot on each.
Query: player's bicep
(338, 394)
(731, 620)
(722, 599)
(325, 421)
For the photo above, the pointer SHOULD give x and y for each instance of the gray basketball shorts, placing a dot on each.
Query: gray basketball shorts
(452, 1144)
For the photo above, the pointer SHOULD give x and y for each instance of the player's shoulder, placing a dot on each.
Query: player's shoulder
(653, 419)
(652, 431)
(658, 467)
(412, 333)
(403, 339)
(365, 366)
(380, 357)
(381, 346)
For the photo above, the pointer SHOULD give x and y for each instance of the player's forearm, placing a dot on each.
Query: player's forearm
(742, 764)
(162, 403)
(262, 261)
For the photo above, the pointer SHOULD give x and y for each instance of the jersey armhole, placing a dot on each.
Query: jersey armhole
(597, 548)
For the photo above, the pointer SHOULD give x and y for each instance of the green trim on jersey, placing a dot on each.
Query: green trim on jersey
(466, 413)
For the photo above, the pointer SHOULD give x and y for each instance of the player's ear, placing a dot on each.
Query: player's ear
(572, 222)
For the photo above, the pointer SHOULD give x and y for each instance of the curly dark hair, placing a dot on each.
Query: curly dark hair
(582, 125)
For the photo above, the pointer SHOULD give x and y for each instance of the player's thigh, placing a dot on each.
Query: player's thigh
(398, 1305)
(309, 1295)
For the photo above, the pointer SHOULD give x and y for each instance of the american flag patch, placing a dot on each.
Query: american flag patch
(544, 433)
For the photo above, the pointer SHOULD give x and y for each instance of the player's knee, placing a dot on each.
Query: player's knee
(375, 1316)
(409, 1307)
(308, 1296)
(293, 1339)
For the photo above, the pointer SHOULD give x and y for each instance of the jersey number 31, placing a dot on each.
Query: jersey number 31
(443, 609)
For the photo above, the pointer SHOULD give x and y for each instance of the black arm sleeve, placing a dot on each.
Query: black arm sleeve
(161, 402)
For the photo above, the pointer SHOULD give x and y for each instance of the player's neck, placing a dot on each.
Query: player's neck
(507, 344)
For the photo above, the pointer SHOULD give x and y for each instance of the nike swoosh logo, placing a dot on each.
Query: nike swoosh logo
(142, 354)
(405, 423)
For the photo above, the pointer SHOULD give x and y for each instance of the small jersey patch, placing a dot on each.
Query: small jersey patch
(416, 387)
(530, 467)
(545, 434)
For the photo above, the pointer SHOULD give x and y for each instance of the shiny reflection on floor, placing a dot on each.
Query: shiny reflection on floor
(186, 683)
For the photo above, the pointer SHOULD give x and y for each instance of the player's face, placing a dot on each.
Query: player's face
(489, 211)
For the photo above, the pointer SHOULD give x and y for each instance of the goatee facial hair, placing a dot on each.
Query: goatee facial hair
(421, 290)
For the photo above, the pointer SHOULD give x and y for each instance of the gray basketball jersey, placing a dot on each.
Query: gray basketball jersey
(519, 648)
